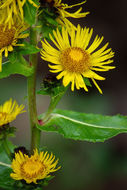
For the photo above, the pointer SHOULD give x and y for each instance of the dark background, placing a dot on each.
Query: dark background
(85, 166)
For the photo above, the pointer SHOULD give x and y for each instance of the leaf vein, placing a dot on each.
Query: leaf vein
(83, 123)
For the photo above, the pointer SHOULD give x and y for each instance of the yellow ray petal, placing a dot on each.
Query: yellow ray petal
(97, 86)
(91, 74)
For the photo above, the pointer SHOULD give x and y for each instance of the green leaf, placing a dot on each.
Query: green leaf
(6, 182)
(16, 65)
(46, 30)
(82, 126)
(27, 49)
(51, 20)
(3, 157)
(47, 22)
(30, 12)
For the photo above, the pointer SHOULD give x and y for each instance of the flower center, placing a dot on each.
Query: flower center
(6, 36)
(32, 168)
(75, 59)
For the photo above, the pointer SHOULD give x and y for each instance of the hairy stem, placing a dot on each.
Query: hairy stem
(31, 83)
(53, 103)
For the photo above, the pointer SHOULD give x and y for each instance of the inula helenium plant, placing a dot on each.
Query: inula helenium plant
(77, 57)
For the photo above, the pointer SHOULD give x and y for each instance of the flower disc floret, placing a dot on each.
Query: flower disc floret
(74, 59)
(9, 37)
(33, 168)
(9, 111)
(6, 36)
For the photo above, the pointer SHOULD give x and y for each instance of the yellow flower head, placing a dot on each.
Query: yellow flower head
(33, 168)
(13, 8)
(63, 12)
(73, 58)
(9, 111)
(9, 38)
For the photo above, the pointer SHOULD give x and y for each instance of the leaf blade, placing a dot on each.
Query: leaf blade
(89, 127)
(28, 49)
(16, 65)
(30, 13)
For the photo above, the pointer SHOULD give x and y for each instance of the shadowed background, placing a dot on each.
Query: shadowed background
(85, 166)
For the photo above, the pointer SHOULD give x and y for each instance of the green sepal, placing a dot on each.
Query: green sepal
(27, 49)
(16, 64)
(87, 82)
(45, 181)
(39, 186)
(83, 126)
(6, 131)
(30, 12)
(51, 86)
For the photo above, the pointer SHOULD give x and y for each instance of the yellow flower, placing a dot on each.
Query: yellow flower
(13, 8)
(33, 168)
(3, 15)
(75, 59)
(9, 38)
(63, 13)
(9, 111)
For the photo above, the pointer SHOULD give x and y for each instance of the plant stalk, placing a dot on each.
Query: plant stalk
(53, 103)
(31, 85)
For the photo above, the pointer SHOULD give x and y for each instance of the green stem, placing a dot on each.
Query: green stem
(53, 103)
(7, 149)
(31, 83)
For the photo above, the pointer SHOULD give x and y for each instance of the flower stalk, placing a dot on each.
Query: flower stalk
(31, 84)
(53, 103)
